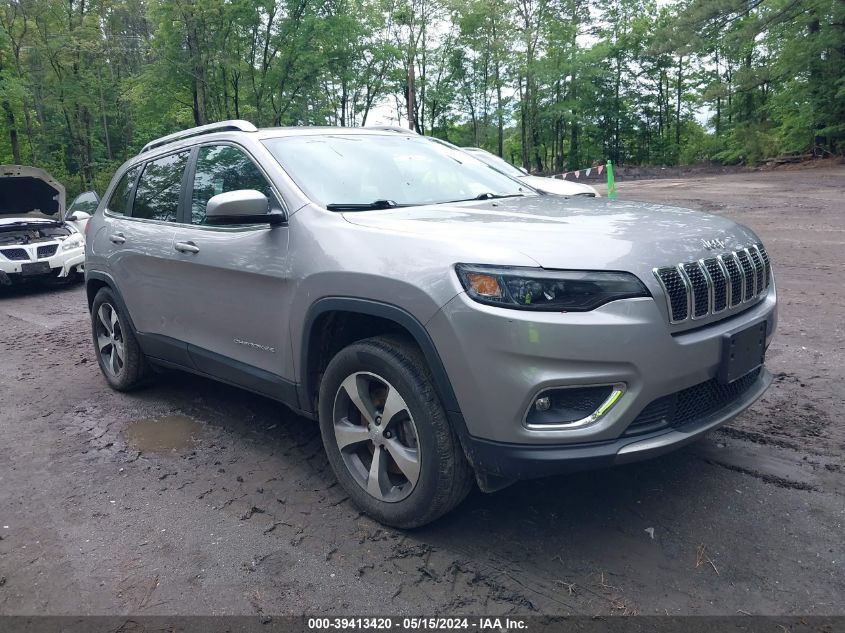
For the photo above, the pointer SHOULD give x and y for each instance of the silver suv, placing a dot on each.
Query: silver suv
(443, 322)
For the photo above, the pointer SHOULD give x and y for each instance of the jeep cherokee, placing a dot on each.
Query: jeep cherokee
(443, 322)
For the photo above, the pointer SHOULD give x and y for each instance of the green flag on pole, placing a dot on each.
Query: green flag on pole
(611, 185)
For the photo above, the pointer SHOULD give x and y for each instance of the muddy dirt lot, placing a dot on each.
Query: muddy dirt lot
(190, 497)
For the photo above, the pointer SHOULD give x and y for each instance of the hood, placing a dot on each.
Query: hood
(30, 193)
(556, 186)
(570, 233)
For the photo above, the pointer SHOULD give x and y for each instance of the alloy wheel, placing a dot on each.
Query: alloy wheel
(110, 342)
(377, 436)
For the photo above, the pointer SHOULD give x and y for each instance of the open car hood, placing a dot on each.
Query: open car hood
(30, 193)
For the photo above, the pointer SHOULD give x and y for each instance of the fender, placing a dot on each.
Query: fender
(442, 384)
(391, 313)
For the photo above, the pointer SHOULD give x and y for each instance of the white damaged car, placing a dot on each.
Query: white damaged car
(39, 237)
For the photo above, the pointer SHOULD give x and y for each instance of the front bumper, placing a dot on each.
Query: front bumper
(498, 360)
(62, 264)
(523, 461)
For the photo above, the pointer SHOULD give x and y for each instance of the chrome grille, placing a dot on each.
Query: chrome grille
(695, 290)
(676, 292)
(766, 265)
(734, 276)
(719, 278)
(749, 282)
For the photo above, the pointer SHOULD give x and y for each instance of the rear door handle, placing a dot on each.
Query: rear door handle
(117, 238)
(186, 247)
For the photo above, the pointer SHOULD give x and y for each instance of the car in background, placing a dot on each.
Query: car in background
(39, 238)
(546, 185)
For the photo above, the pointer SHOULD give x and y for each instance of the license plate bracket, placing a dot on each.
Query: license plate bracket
(742, 352)
(35, 268)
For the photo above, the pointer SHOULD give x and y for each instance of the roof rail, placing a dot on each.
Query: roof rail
(391, 128)
(222, 126)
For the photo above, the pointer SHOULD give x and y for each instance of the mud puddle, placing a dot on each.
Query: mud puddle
(163, 434)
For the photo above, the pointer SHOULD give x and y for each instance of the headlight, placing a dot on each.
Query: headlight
(74, 241)
(547, 290)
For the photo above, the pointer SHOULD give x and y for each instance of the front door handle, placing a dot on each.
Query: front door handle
(186, 247)
(117, 238)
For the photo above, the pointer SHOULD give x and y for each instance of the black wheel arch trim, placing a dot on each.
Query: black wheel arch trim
(402, 318)
(108, 281)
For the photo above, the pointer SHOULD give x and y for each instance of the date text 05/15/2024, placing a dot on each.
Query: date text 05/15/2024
(418, 623)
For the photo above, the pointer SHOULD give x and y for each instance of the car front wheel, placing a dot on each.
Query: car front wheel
(387, 436)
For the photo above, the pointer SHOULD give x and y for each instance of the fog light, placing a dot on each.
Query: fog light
(572, 407)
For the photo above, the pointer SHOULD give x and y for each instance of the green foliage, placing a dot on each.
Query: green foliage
(549, 84)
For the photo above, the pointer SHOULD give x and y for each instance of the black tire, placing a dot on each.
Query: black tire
(444, 475)
(133, 370)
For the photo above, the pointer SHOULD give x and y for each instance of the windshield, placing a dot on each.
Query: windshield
(497, 163)
(380, 171)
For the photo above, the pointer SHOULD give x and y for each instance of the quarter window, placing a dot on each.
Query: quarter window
(158, 190)
(222, 168)
(119, 201)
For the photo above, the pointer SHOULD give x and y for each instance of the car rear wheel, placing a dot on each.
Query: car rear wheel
(387, 436)
(118, 353)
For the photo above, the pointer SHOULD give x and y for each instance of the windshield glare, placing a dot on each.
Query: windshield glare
(498, 163)
(407, 170)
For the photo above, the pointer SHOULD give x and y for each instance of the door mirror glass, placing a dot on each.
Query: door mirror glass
(243, 206)
(83, 206)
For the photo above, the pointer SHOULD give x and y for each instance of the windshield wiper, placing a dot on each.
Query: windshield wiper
(489, 196)
(362, 206)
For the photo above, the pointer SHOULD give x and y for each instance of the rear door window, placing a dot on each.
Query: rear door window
(119, 201)
(160, 187)
(222, 168)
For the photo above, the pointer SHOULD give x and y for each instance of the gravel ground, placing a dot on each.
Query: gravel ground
(189, 497)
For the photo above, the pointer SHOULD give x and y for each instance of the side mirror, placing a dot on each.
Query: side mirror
(244, 206)
(83, 206)
(78, 216)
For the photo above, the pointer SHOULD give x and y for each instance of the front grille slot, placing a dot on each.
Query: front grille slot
(676, 291)
(47, 251)
(700, 290)
(735, 275)
(767, 275)
(748, 274)
(15, 254)
(696, 290)
(720, 284)
(690, 405)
